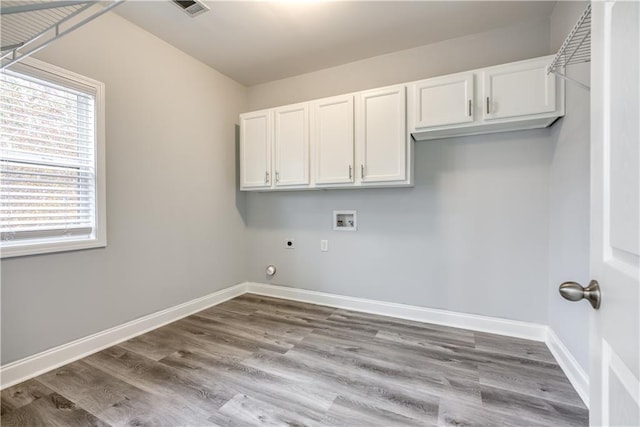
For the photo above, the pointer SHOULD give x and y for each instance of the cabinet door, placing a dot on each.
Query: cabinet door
(381, 134)
(255, 150)
(291, 140)
(443, 101)
(519, 89)
(332, 139)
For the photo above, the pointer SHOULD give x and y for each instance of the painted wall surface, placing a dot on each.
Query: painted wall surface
(569, 198)
(523, 41)
(175, 219)
(471, 236)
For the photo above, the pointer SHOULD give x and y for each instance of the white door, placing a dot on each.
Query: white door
(381, 134)
(443, 101)
(615, 252)
(291, 140)
(518, 89)
(255, 149)
(332, 140)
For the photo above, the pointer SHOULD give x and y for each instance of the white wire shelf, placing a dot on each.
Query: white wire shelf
(576, 48)
(26, 26)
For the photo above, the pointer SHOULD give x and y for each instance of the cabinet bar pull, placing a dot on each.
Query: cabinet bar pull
(470, 106)
(266, 177)
(487, 105)
(361, 171)
(277, 177)
(350, 173)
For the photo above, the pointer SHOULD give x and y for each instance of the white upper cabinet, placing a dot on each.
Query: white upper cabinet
(443, 100)
(381, 137)
(255, 150)
(519, 89)
(365, 139)
(332, 140)
(291, 140)
(519, 95)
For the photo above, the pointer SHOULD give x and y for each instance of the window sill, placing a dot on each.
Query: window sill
(47, 247)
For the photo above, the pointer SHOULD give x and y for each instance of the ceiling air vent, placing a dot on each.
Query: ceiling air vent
(192, 7)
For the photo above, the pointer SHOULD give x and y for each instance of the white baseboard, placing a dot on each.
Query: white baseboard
(494, 325)
(570, 366)
(29, 367)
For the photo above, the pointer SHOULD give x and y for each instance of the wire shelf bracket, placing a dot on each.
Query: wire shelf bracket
(29, 26)
(576, 49)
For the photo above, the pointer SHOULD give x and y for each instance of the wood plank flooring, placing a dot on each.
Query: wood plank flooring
(264, 361)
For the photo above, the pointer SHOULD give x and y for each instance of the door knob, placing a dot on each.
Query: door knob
(574, 292)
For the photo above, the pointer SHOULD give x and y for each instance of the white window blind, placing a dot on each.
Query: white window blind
(48, 167)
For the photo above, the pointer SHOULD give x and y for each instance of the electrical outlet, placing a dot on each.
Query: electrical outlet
(289, 244)
(324, 245)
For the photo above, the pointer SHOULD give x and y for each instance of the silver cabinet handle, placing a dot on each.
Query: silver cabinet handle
(361, 171)
(470, 106)
(574, 292)
(350, 172)
(277, 177)
(487, 105)
(266, 177)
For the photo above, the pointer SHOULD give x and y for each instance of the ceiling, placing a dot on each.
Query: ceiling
(259, 41)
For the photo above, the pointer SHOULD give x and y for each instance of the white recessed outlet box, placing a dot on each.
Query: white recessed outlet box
(345, 220)
(324, 245)
(289, 244)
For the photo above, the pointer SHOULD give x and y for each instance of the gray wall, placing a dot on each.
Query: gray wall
(523, 41)
(569, 198)
(175, 231)
(472, 236)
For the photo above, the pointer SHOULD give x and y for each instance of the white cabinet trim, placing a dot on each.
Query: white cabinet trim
(348, 169)
(491, 107)
(466, 105)
(398, 143)
(263, 180)
(280, 178)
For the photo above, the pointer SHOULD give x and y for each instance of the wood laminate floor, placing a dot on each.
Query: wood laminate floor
(264, 361)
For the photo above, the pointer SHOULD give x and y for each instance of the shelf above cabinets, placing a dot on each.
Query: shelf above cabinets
(515, 96)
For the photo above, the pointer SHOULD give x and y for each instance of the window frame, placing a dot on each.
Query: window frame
(57, 75)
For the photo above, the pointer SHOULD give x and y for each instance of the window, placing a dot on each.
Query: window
(51, 160)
